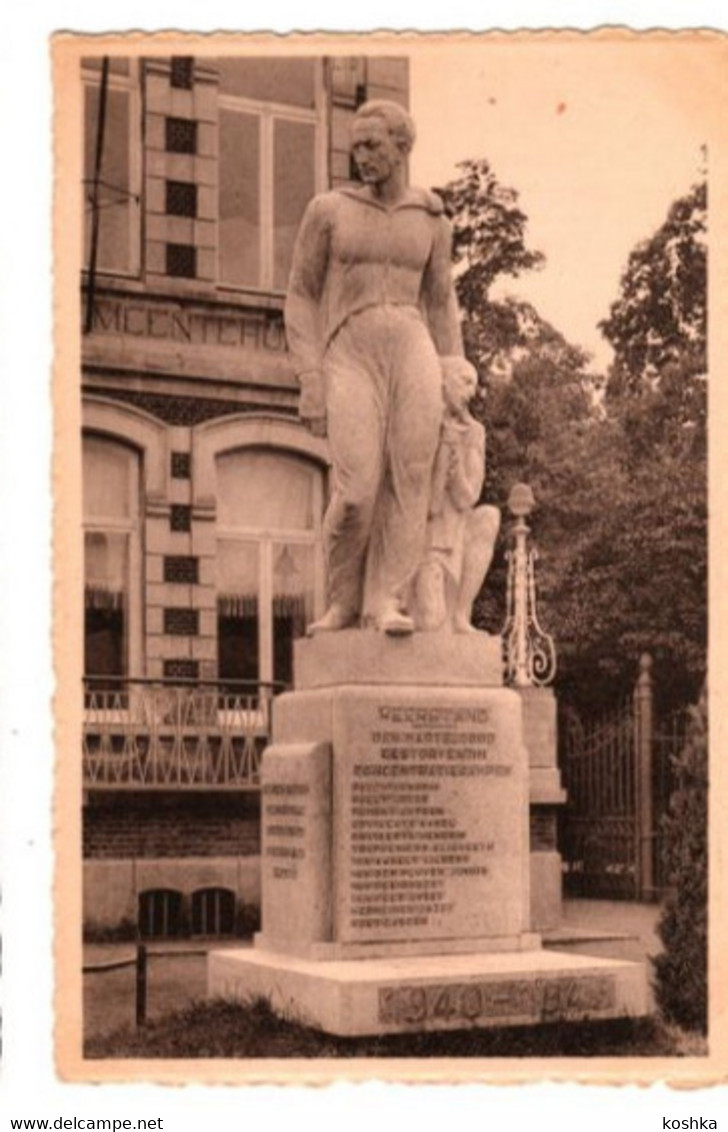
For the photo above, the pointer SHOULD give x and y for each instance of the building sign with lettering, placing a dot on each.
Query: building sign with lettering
(188, 326)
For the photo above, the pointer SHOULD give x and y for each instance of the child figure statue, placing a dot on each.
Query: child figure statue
(460, 536)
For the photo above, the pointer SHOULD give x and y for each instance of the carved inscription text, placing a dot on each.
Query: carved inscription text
(534, 1000)
(419, 853)
(284, 817)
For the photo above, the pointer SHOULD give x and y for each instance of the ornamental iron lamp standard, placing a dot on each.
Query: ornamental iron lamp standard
(528, 651)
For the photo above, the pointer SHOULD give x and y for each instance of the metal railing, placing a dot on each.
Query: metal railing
(174, 734)
(618, 776)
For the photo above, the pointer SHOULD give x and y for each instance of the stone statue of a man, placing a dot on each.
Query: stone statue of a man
(370, 310)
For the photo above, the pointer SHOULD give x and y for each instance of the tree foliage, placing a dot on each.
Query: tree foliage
(488, 231)
(536, 389)
(659, 318)
(656, 395)
(636, 579)
(681, 969)
(619, 479)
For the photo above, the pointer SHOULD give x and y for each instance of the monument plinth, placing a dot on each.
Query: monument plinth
(395, 852)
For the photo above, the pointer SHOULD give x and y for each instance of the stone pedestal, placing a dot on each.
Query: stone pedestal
(423, 792)
(395, 846)
(546, 795)
(445, 992)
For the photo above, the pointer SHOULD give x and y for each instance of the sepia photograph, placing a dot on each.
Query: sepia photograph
(381, 545)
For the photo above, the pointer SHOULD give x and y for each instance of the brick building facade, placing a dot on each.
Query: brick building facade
(203, 494)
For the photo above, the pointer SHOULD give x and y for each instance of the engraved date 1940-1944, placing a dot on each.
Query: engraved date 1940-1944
(546, 1000)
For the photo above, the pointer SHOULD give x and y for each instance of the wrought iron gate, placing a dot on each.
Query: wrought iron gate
(617, 774)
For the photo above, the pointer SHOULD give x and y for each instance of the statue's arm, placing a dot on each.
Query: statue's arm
(467, 470)
(440, 473)
(302, 309)
(438, 293)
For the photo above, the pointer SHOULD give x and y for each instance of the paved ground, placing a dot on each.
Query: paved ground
(619, 929)
(174, 978)
(639, 920)
(616, 929)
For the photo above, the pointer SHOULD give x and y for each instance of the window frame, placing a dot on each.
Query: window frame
(265, 538)
(199, 902)
(171, 905)
(131, 84)
(132, 528)
(267, 114)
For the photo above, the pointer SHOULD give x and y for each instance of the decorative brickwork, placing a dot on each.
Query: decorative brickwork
(166, 826)
(181, 466)
(184, 568)
(186, 411)
(543, 829)
(181, 260)
(182, 622)
(180, 517)
(180, 135)
(181, 73)
(181, 669)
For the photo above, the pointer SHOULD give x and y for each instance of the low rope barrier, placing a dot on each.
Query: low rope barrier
(140, 962)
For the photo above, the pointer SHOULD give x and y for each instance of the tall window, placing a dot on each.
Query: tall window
(120, 170)
(270, 576)
(112, 559)
(270, 162)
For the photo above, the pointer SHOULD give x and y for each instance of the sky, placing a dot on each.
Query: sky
(598, 139)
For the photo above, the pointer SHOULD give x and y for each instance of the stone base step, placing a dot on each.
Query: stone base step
(592, 941)
(445, 992)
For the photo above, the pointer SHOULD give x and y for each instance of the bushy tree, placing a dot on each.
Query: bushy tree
(659, 318)
(619, 477)
(648, 554)
(536, 390)
(537, 418)
(681, 968)
(488, 232)
(624, 562)
(636, 580)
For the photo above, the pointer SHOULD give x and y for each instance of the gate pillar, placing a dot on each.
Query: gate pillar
(546, 795)
(645, 865)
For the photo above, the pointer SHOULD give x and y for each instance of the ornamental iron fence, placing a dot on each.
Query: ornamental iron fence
(174, 734)
(617, 770)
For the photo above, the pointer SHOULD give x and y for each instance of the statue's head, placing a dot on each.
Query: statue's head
(382, 135)
(396, 120)
(459, 382)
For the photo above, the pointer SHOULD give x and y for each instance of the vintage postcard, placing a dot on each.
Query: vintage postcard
(381, 556)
